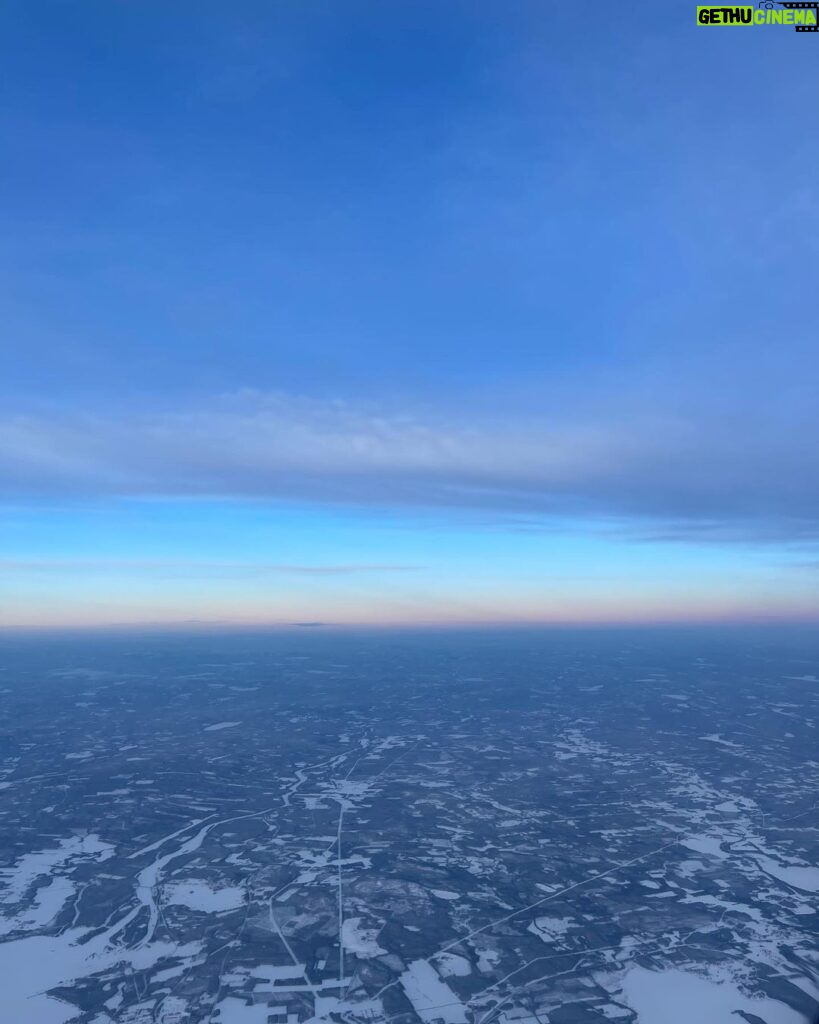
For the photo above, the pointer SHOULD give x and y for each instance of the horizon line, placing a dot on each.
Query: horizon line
(223, 626)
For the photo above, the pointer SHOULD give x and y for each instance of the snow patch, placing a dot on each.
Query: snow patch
(674, 996)
(198, 895)
(432, 999)
(360, 940)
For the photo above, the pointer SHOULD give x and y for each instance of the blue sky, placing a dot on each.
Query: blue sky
(406, 312)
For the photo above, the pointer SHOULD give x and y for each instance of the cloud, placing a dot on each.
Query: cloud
(656, 464)
(192, 567)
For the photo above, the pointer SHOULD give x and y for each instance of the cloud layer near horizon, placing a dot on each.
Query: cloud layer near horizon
(720, 470)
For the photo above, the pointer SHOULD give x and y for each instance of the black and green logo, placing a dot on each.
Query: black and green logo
(803, 16)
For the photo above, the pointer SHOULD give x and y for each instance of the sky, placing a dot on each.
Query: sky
(406, 313)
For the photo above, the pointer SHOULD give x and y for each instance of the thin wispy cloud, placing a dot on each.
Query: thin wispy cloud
(717, 472)
(192, 567)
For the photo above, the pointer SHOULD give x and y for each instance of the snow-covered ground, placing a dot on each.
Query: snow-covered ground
(31, 966)
(359, 939)
(431, 998)
(237, 1011)
(198, 895)
(674, 996)
(550, 928)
